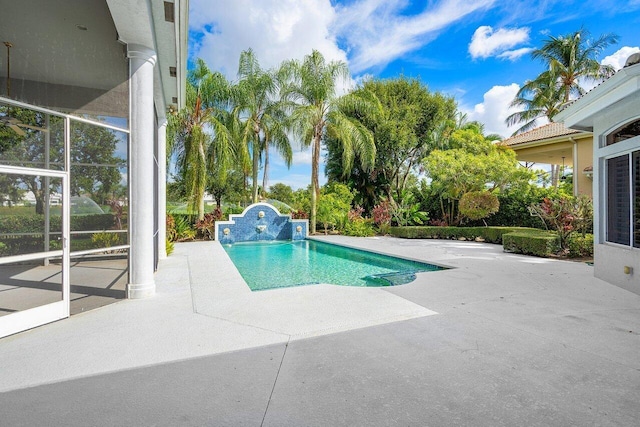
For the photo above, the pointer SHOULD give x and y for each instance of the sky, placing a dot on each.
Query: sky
(477, 51)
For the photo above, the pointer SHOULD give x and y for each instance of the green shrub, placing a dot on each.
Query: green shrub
(580, 246)
(488, 234)
(477, 205)
(514, 203)
(531, 242)
(105, 240)
(565, 215)
(359, 227)
(35, 223)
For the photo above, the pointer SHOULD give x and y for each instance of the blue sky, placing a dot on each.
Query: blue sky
(474, 50)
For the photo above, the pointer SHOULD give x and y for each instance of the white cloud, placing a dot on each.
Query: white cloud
(513, 55)
(377, 32)
(373, 32)
(302, 156)
(276, 30)
(486, 42)
(495, 109)
(618, 58)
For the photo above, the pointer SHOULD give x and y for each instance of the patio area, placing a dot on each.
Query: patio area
(500, 339)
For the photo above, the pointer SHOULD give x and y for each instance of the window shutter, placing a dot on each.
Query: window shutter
(618, 203)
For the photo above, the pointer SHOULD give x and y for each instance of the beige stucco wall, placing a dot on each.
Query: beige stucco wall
(584, 149)
(552, 153)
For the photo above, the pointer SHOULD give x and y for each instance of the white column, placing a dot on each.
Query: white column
(141, 63)
(162, 190)
(576, 173)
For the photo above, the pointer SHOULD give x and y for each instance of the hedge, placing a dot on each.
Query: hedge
(35, 223)
(11, 244)
(531, 242)
(488, 234)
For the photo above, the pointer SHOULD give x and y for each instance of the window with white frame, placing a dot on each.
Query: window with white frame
(623, 199)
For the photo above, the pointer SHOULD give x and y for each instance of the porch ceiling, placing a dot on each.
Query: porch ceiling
(68, 43)
(547, 154)
(76, 43)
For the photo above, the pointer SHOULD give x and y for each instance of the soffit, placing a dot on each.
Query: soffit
(50, 44)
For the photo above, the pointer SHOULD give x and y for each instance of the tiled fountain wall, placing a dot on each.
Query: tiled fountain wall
(260, 221)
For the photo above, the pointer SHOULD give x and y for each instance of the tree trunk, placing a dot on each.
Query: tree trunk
(315, 187)
(201, 208)
(39, 202)
(265, 172)
(254, 174)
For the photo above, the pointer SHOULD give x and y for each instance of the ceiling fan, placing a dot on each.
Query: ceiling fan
(6, 120)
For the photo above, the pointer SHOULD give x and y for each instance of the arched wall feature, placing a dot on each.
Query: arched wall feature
(260, 222)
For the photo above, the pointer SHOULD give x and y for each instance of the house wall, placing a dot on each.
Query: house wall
(584, 184)
(611, 259)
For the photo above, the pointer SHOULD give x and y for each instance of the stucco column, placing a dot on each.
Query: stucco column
(141, 160)
(162, 190)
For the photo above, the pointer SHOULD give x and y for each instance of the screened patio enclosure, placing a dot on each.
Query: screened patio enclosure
(85, 86)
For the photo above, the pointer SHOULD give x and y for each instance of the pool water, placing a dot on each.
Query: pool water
(281, 264)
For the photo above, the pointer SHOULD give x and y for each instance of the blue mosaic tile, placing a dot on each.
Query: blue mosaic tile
(260, 222)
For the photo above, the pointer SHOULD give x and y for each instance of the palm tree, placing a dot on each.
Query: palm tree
(541, 97)
(319, 112)
(257, 104)
(198, 135)
(570, 60)
(573, 57)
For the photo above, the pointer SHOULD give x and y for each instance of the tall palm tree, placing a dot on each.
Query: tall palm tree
(574, 56)
(541, 97)
(257, 104)
(571, 60)
(197, 134)
(319, 111)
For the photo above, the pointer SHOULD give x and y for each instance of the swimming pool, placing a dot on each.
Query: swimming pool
(281, 264)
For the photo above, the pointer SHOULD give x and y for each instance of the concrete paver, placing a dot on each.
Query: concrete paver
(501, 339)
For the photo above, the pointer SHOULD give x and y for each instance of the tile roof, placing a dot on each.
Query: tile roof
(551, 130)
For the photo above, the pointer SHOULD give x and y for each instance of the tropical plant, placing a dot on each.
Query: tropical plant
(319, 112)
(573, 57)
(406, 130)
(334, 206)
(206, 225)
(473, 163)
(262, 113)
(382, 216)
(198, 133)
(281, 192)
(571, 60)
(541, 97)
(408, 212)
(357, 225)
(565, 215)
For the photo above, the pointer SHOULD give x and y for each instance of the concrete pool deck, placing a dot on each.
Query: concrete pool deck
(501, 339)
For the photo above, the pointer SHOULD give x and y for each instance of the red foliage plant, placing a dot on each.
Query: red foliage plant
(382, 213)
(299, 214)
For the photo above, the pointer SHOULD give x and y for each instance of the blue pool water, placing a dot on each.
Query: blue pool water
(281, 264)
